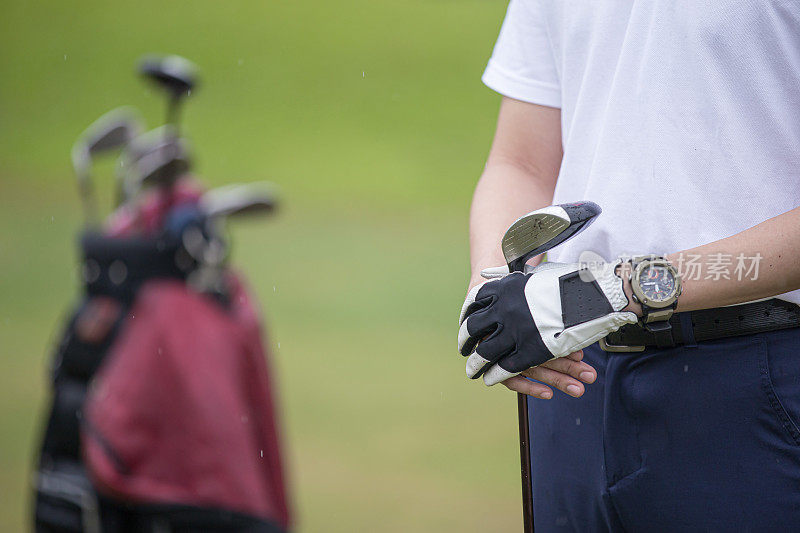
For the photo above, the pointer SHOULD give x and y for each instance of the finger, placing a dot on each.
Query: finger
(576, 369)
(476, 364)
(490, 351)
(494, 272)
(531, 388)
(470, 299)
(563, 382)
(510, 365)
(463, 337)
(502, 271)
(576, 356)
(497, 374)
(476, 327)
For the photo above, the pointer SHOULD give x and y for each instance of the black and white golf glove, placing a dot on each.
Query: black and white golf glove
(522, 320)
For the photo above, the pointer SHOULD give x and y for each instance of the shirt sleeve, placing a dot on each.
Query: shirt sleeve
(522, 65)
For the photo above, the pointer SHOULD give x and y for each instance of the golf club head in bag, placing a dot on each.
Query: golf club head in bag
(174, 74)
(202, 228)
(240, 199)
(160, 155)
(156, 158)
(111, 132)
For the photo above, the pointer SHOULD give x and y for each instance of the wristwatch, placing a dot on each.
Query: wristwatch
(656, 285)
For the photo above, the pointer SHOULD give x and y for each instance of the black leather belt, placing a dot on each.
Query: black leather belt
(692, 327)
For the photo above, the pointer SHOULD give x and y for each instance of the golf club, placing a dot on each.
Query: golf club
(239, 199)
(112, 131)
(160, 156)
(204, 238)
(531, 235)
(155, 158)
(176, 75)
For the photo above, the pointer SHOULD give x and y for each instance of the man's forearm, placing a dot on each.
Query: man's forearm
(773, 244)
(771, 255)
(519, 177)
(504, 193)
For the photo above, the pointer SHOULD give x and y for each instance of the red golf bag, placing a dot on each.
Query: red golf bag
(163, 415)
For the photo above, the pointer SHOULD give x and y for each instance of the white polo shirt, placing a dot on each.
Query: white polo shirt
(680, 118)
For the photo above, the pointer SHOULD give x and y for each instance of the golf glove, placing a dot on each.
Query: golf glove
(523, 319)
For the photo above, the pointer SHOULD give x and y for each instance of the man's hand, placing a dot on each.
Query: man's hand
(525, 320)
(566, 374)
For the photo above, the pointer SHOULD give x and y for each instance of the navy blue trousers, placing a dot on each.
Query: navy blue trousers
(700, 438)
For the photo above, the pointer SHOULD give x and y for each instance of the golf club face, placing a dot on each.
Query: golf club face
(174, 73)
(238, 200)
(111, 131)
(541, 230)
(116, 136)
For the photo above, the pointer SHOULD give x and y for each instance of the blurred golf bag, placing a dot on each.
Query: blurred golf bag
(162, 416)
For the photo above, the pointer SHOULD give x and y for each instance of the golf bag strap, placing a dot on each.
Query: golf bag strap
(78, 356)
(118, 266)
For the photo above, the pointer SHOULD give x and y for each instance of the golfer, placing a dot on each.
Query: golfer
(681, 119)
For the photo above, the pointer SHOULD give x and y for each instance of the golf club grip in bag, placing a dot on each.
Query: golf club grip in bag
(162, 415)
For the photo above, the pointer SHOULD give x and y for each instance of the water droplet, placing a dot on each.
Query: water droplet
(279, 345)
(685, 368)
(577, 421)
(241, 62)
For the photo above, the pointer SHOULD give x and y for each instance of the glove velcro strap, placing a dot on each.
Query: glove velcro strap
(611, 284)
(581, 301)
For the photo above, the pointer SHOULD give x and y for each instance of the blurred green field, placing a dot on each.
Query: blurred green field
(372, 119)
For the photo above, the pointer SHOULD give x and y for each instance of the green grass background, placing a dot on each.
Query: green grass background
(371, 117)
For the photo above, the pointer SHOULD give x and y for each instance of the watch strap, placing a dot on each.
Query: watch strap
(657, 315)
(662, 333)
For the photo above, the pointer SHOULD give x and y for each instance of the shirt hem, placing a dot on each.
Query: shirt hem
(519, 88)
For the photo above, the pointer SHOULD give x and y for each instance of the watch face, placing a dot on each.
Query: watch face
(657, 283)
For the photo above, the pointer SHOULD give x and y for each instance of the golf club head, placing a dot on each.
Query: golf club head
(543, 229)
(240, 199)
(112, 131)
(176, 74)
(155, 158)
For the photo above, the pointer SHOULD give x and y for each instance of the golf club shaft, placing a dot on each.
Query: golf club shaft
(524, 441)
(89, 198)
(173, 112)
(525, 462)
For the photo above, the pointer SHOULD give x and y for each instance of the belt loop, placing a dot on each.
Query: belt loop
(687, 329)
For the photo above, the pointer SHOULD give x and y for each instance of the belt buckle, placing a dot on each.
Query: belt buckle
(606, 347)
